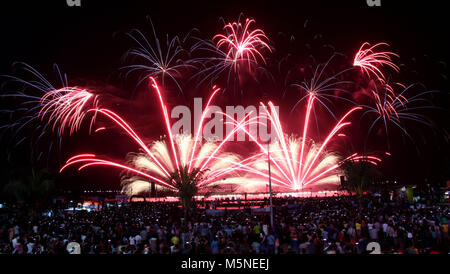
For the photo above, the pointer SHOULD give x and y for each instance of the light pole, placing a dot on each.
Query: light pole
(301, 189)
(270, 186)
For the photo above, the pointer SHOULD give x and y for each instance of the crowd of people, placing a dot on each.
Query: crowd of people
(327, 225)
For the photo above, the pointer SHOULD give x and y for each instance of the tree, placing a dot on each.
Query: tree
(186, 182)
(30, 186)
(359, 176)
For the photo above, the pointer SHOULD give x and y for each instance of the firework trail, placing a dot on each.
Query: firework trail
(161, 159)
(388, 106)
(322, 89)
(61, 108)
(157, 61)
(295, 163)
(236, 51)
(241, 43)
(317, 89)
(369, 60)
(66, 107)
(397, 109)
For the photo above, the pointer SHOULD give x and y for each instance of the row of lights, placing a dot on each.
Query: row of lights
(102, 191)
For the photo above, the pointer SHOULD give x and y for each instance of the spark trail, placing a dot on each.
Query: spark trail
(162, 158)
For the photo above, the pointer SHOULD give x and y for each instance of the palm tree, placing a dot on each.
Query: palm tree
(33, 188)
(359, 176)
(186, 182)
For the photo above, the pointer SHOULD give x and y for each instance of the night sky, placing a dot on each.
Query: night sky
(88, 43)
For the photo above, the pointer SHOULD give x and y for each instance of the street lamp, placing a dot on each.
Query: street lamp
(270, 185)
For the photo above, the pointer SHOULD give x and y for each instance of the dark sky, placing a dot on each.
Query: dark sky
(87, 42)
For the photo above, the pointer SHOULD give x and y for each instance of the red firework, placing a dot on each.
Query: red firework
(369, 60)
(242, 43)
(66, 107)
(296, 163)
(159, 160)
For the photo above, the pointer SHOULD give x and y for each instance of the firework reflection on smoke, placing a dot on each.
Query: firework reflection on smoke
(285, 165)
(135, 185)
(216, 169)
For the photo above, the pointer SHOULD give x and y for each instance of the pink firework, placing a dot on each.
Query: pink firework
(299, 162)
(370, 60)
(161, 159)
(390, 108)
(388, 104)
(242, 43)
(66, 107)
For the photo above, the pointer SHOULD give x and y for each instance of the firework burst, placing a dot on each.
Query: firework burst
(369, 60)
(241, 43)
(322, 89)
(389, 108)
(66, 107)
(236, 52)
(155, 60)
(46, 108)
(298, 162)
(159, 161)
